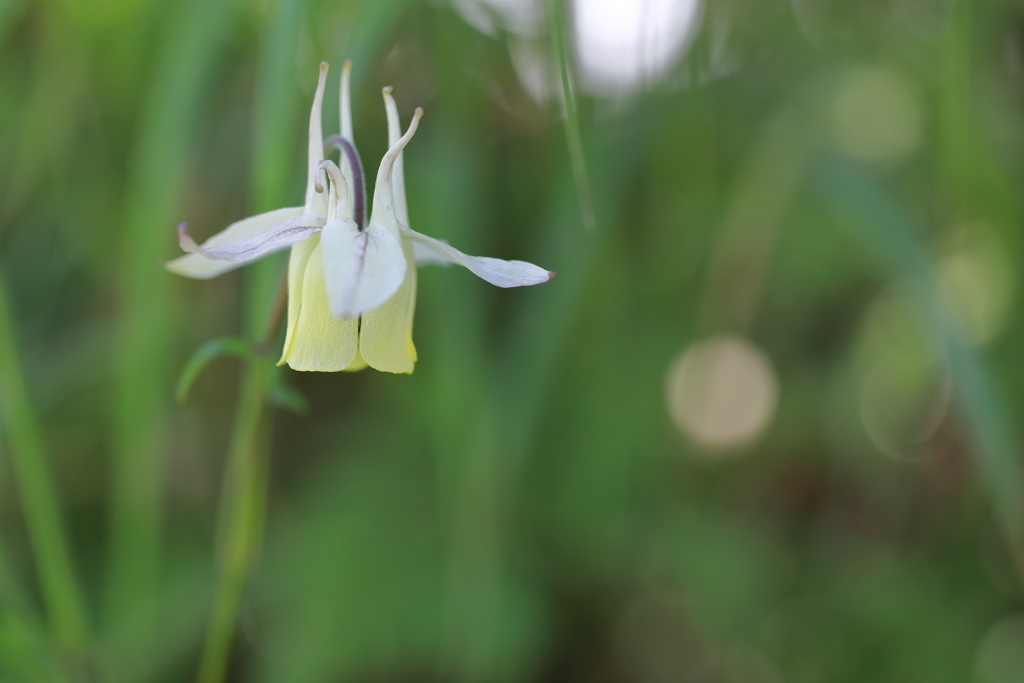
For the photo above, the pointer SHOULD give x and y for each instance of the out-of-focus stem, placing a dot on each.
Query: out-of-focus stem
(39, 500)
(744, 244)
(572, 121)
(243, 502)
(243, 499)
(997, 448)
(241, 516)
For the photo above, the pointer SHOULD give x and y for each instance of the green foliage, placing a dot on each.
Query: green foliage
(201, 357)
(809, 175)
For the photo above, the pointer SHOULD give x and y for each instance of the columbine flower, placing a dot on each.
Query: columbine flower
(351, 282)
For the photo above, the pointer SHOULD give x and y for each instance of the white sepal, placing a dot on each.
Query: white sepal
(496, 271)
(202, 268)
(278, 237)
(426, 254)
(362, 269)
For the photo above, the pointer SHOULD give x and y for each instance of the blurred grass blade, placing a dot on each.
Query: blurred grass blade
(890, 232)
(276, 111)
(536, 340)
(24, 652)
(39, 500)
(12, 593)
(143, 388)
(274, 149)
(374, 25)
(744, 245)
(243, 503)
(955, 149)
(8, 13)
(572, 121)
(542, 317)
(201, 357)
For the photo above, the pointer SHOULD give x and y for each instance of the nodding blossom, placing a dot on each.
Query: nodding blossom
(351, 281)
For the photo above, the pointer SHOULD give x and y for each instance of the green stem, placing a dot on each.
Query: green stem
(241, 514)
(245, 486)
(35, 485)
(572, 121)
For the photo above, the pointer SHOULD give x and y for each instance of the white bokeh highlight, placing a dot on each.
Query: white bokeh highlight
(524, 17)
(721, 392)
(626, 45)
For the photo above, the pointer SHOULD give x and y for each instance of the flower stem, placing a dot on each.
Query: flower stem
(241, 516)
(39, 499)
(245, 484)
(243, 497)
(273, 324)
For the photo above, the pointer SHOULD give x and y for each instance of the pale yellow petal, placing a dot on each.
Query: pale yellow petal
(385, 336)
(357, 363)
(297, 261)
(319, 342)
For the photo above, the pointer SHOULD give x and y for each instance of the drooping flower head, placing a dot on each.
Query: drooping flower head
(351, 279)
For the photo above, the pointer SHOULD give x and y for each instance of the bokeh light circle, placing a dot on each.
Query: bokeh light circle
(721, 392)
(876, 116)
(625, 45)
(1000, 656)
(975, 283)
(905, 385)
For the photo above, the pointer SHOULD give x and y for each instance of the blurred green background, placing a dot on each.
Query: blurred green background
(763, 427)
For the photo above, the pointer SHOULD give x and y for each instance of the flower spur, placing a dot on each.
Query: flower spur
(351, 282)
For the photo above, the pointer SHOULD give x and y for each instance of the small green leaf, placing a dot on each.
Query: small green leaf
(284, 395)
(201, 357)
